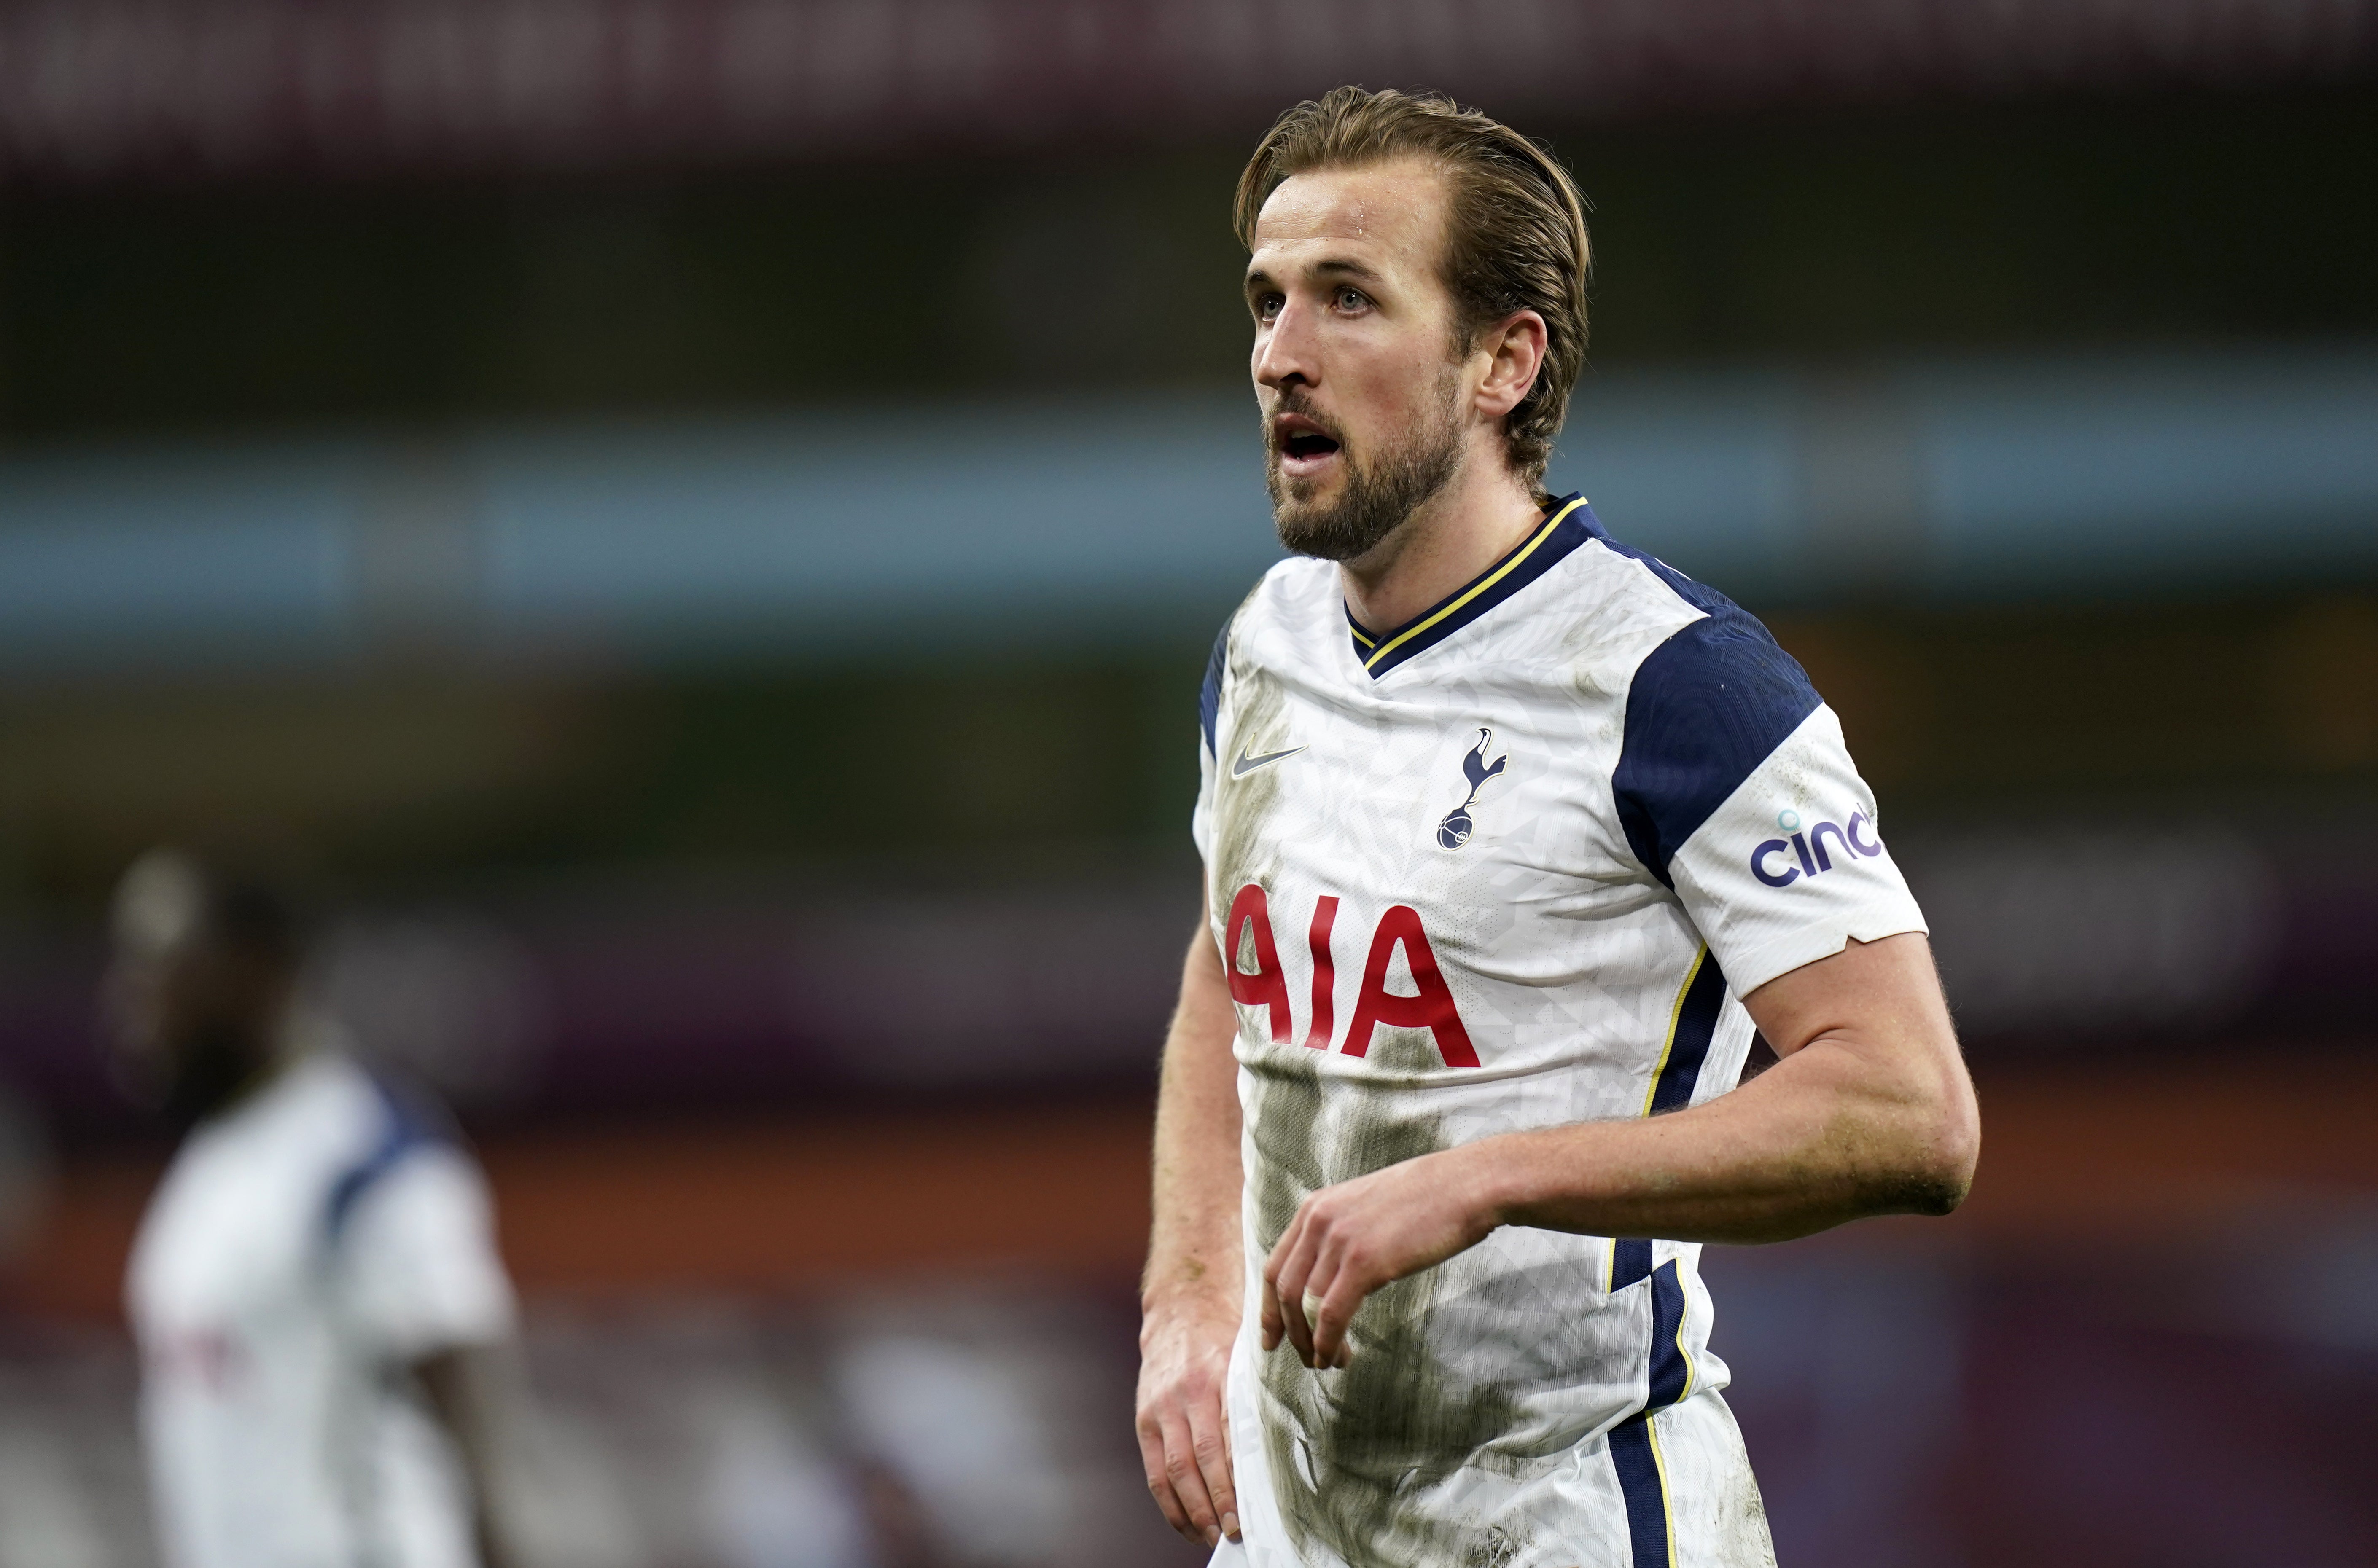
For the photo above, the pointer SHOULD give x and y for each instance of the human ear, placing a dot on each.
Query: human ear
(1515, 350)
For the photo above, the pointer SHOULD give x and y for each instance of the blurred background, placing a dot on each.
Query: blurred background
(695, 525)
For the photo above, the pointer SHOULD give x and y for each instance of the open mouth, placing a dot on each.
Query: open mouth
(1301, 440)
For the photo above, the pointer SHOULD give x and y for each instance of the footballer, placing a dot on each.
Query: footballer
(315, 1291)
(1514, 838)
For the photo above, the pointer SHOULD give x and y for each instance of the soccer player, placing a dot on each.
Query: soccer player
(1512, 836)
(315, 1287)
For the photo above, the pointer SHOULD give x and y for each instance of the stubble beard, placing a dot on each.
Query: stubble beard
(1377, 496)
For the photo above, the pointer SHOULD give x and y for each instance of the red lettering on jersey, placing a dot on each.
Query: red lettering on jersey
(1432, 1009)
(1325, 973)
(1267, 986)
(209, 1358)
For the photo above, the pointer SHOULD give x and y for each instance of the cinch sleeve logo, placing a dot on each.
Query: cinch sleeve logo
(1808, 848)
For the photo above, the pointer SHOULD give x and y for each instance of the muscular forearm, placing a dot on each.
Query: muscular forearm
(1868, 1113)
(1813, 1142)
(1194, 1258)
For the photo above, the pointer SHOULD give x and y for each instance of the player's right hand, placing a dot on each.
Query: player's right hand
(1184, 1440)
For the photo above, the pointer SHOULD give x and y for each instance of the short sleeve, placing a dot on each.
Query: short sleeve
(1209, 713)
(1792, 865)
(418, 1258)
(1735, 788)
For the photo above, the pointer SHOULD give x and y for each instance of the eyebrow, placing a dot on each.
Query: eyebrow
(1334, 267)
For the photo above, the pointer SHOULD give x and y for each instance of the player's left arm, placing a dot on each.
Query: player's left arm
(427, 1291)
(466, 1389)
(1868, 1111)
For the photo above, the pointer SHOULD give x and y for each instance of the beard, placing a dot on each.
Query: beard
(1376, 496)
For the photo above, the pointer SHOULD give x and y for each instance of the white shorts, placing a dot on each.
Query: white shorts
(1619, 1499)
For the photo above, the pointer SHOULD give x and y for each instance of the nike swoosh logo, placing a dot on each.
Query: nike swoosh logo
(1246, 764)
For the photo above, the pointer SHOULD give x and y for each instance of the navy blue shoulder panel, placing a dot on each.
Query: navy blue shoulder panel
(1706, 707)
(1209, 700)
(407, 1124)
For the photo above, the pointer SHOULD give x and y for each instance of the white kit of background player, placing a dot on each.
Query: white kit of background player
(1508, 866)
(306, 1245)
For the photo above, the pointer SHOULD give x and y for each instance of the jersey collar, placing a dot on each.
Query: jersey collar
(1568, 523)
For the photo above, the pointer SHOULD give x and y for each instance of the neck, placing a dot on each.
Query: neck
(1478, 518)
(231, 1079)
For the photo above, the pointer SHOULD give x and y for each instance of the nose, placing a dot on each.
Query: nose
(1285, 352)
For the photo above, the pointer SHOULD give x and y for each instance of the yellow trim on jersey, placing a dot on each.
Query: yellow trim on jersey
(1660, 1463)
(1361, 637)
(1476, 589)
(1684, 1315)
(1675, 1015)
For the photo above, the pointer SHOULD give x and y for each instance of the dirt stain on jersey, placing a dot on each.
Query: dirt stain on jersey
(1743, 1540)
(1357, 1445)
(1242, 805)
(1497, 1548)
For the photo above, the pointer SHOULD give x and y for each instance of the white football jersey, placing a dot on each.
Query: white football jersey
(1509, 865)
(302, 1248)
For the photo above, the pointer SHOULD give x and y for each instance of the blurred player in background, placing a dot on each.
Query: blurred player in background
(315, 1287)
(1512, 836)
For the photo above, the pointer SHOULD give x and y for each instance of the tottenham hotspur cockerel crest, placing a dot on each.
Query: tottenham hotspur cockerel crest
(1455, 831)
